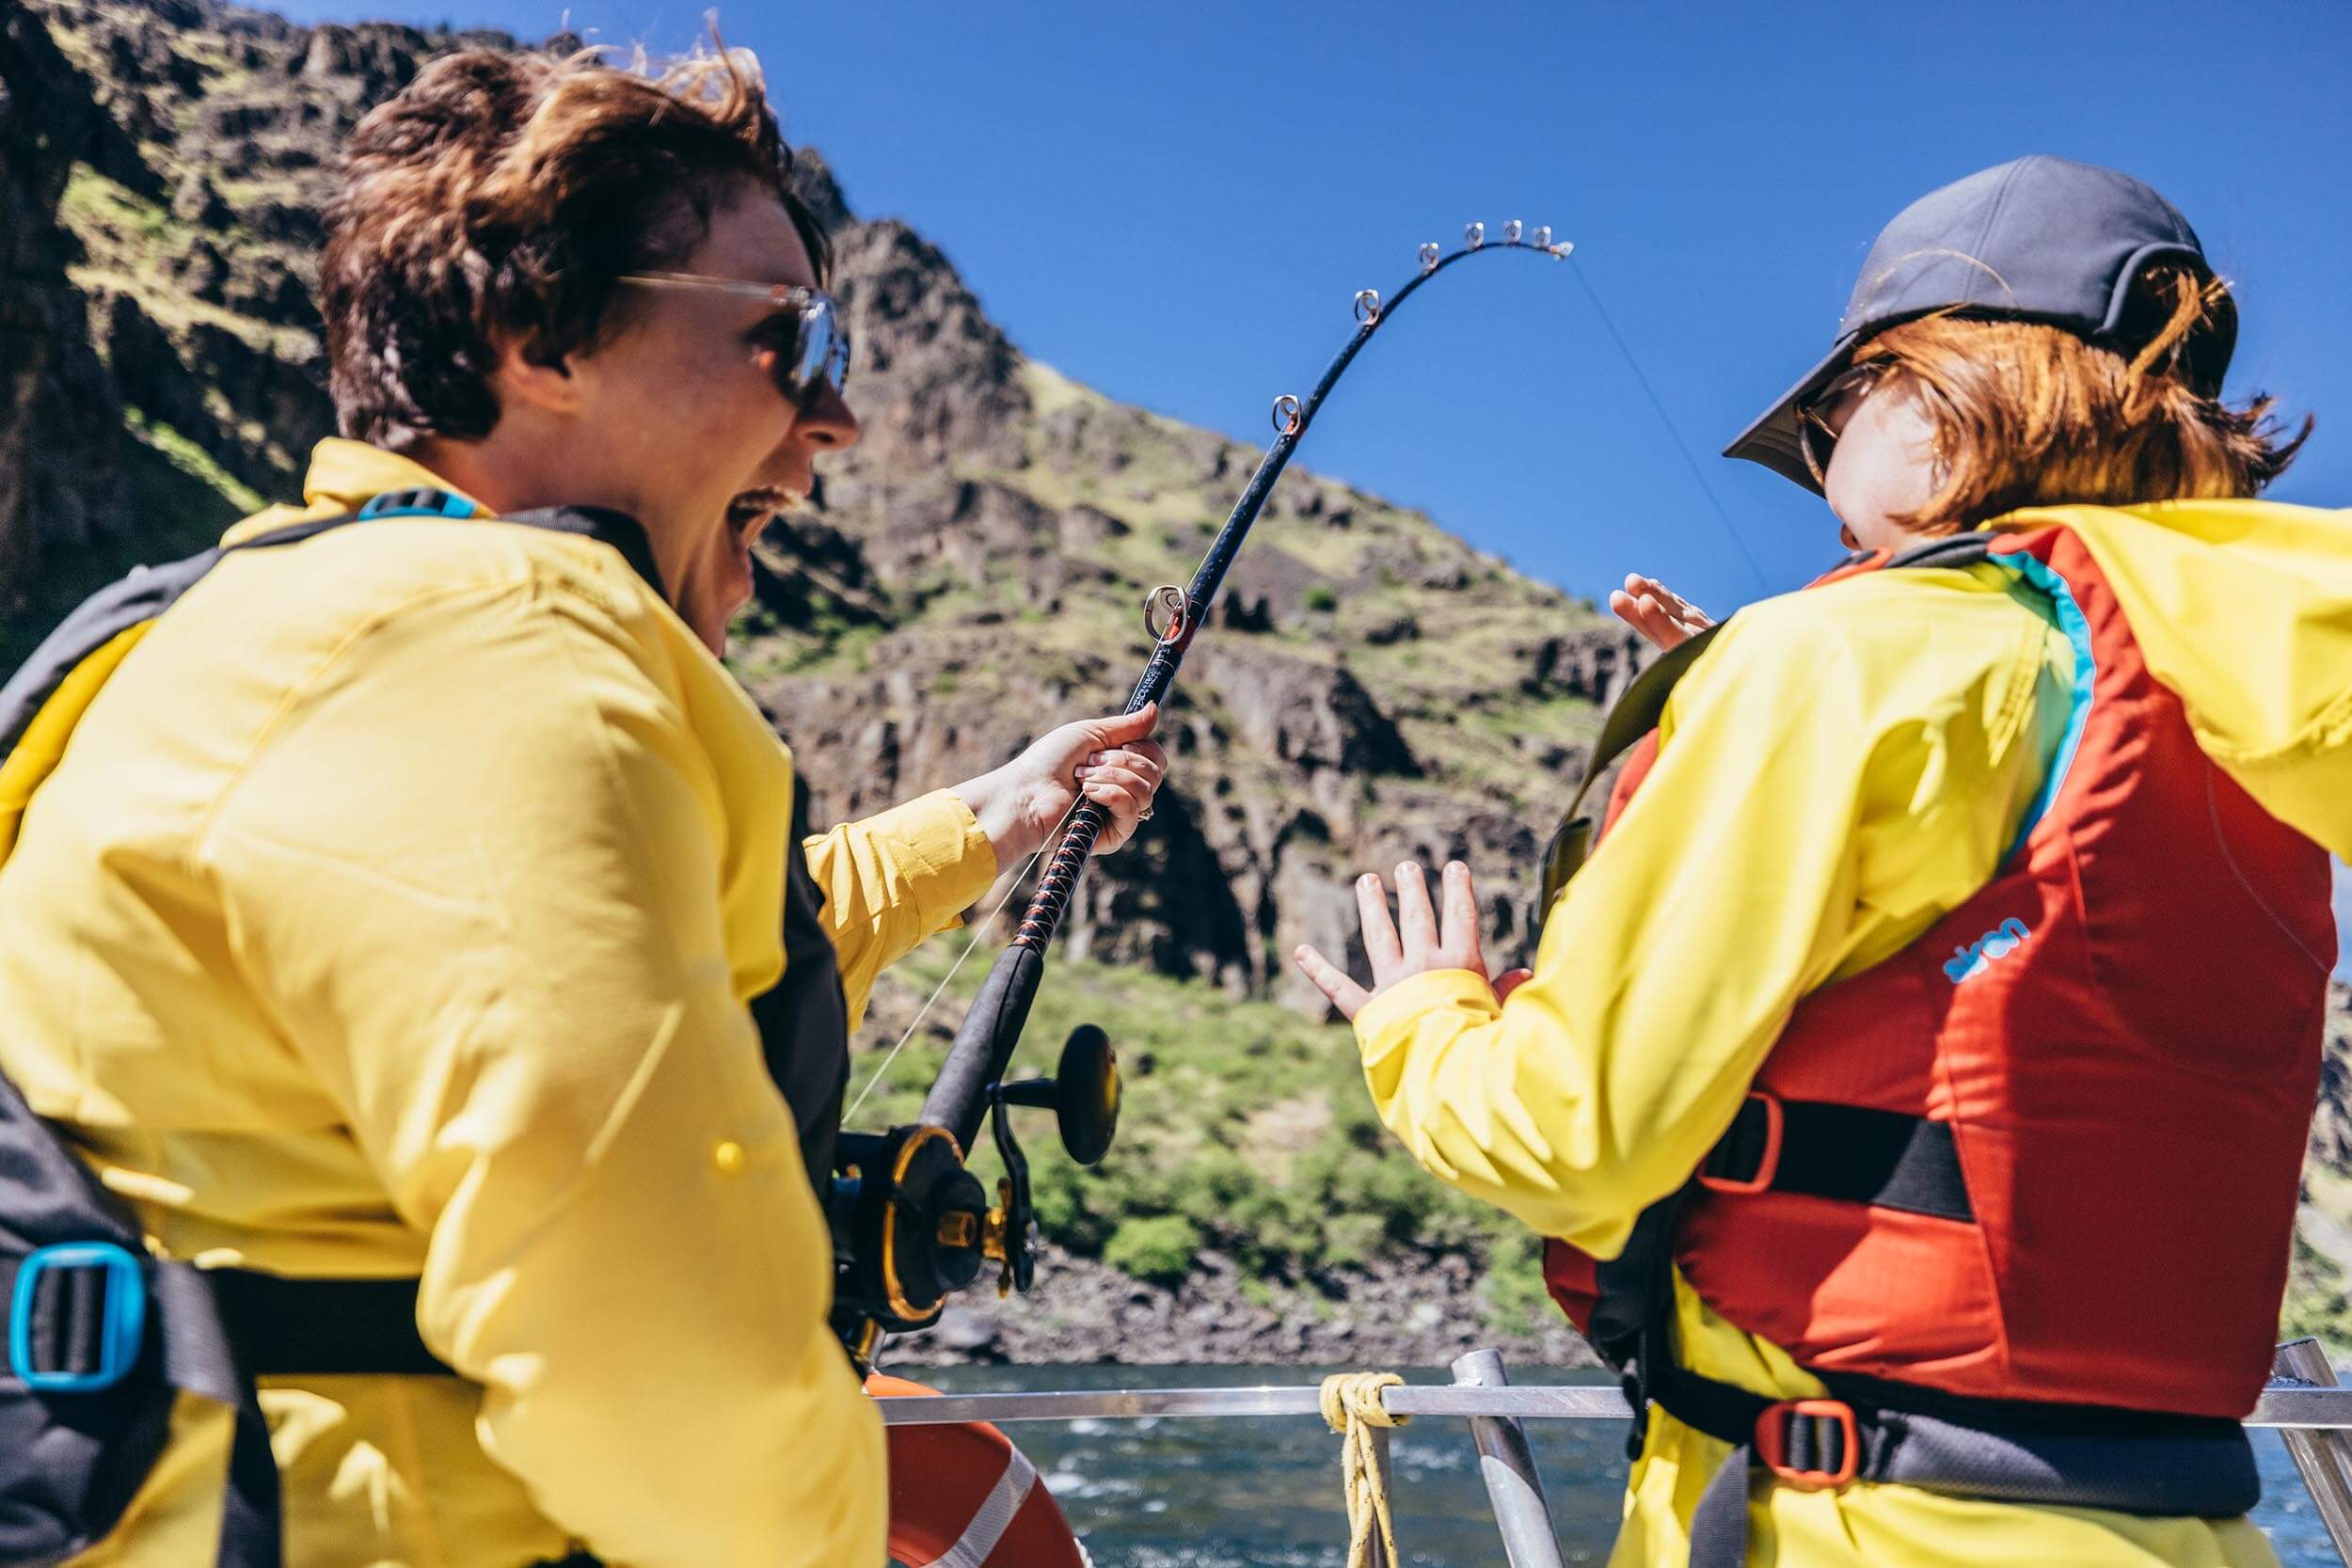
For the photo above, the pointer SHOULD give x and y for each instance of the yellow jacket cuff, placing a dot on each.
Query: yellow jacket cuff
(1386, 1023)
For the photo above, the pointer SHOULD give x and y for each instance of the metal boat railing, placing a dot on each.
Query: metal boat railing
(2302, 1401)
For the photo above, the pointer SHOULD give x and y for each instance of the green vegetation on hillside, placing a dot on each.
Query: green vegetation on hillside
(2317, 1303)
(1246, 1128)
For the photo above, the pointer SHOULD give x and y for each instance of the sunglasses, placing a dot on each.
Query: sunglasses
(812, 345)
(1821, 418)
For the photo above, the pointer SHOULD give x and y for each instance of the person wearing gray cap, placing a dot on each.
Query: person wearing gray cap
(2042, 240)
(1913, 1086)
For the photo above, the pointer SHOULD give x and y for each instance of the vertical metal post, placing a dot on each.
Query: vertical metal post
(1509, 1471)
(1376, 1555)
(2323, 1457)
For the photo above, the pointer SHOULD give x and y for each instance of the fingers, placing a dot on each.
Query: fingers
(1380, 944)
(1673, 603)
(1461, 905)
(1646, 615)
(1125, 805)
(1123, 792)
(1329, 978)
(1459, 946)
(1123, 728)
(1116, 775)
(1511, 980)
(1643, 614)
(1415, 923)
(1663, 617)
(1146, 768)
(1115, 767)
(1412, 942)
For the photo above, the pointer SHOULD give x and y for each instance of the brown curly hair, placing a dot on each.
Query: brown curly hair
(2027, 414)
(499, 196)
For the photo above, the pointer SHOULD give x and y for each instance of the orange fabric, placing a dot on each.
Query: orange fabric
(941, 1482)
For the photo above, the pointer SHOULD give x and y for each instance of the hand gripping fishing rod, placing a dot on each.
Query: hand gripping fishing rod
(923, 1233)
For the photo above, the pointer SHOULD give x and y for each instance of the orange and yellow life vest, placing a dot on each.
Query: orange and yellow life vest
(2088, 1084)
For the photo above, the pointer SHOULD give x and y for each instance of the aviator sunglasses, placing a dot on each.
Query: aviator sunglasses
(817, 349)
(1822, 419)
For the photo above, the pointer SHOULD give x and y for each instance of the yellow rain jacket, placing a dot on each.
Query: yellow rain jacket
(1747, 881)
(393, 913)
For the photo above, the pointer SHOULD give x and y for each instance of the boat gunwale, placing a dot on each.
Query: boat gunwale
(2286, 1404)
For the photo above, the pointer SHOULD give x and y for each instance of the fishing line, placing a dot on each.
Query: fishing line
(1673, 429)
(978, 928)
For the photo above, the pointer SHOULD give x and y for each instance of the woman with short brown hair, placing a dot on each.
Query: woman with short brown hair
(420, 918)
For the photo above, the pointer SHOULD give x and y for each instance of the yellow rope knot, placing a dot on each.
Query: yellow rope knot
(1352, 1408)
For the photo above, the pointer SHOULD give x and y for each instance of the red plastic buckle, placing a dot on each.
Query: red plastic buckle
(1766, 1168)
(1771, 1441)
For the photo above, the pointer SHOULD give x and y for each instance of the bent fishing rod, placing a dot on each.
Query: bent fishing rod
(911, 1224)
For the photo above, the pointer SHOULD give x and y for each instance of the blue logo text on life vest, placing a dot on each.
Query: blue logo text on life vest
(1974, 959)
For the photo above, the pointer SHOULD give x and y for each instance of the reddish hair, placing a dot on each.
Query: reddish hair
(2027, 414)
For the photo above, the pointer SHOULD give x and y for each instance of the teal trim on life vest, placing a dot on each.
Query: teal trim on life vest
(416, 503)
(2045, 581)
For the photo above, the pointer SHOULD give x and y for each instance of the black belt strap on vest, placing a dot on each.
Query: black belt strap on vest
(287, 1327)
(1849, 1152)
(200, 1355)
(2066, 1456)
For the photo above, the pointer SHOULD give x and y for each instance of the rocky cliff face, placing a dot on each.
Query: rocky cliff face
(58, 408)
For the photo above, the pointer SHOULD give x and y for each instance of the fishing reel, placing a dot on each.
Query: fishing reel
(912, 1226)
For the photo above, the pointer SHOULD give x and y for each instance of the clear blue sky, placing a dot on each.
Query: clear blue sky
(1175, 203)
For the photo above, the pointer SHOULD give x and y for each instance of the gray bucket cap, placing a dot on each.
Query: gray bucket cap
(2041, 239)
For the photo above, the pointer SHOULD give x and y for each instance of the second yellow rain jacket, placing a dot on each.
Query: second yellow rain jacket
(393, 913)
(1839, 770)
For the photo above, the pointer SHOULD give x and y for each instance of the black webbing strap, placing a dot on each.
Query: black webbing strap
(289, 1327)
(1951, 552)
(1995, 1450)
(1851, 1152)
(200, 1356)
(1998, 1451)
(1631, 717)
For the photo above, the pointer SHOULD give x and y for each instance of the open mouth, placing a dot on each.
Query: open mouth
(750, 509)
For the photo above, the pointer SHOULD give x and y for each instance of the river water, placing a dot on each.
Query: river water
(1264, 1492)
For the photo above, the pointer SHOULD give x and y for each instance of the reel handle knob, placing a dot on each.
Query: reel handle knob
(1083, 1094)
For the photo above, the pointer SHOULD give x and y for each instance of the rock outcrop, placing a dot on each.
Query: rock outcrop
(58, 409)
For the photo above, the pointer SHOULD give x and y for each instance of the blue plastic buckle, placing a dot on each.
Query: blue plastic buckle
(122, 1317)
(416, 503)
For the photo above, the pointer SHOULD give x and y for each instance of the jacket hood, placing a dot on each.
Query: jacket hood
(2242, 609)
